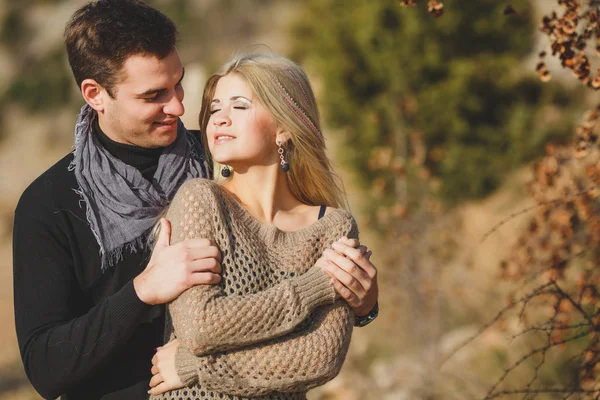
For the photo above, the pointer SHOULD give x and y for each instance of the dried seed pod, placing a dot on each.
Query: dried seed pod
(435, 7)
(546, 76)
(408, 3)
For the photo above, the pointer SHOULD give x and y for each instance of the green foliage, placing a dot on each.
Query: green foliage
(457, 82)
(13, 29)
(46, 84)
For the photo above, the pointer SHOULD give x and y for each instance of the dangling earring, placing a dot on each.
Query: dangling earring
(284, 165)
(225, 172)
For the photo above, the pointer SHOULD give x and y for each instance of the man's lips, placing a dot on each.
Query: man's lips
(166, 123)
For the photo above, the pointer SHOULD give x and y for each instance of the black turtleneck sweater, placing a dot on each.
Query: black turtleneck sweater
(83, 333)
(145, 160)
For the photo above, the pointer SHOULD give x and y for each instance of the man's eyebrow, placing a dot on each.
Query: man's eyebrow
(155, 91)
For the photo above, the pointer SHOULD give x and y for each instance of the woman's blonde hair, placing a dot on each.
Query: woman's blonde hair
(283, 88)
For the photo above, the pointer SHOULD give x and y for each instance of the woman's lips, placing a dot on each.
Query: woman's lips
(222, 138)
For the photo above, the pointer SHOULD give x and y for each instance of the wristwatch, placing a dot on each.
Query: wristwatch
(366, 319)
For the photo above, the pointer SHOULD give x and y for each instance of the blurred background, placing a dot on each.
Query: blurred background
(438, 127)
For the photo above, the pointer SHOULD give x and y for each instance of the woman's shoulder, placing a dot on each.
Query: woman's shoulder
(197, 191)
(339, 219)
(200, 187)
(339, 213)
(198, 184)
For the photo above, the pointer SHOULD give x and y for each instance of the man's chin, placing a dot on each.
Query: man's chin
(163, 139)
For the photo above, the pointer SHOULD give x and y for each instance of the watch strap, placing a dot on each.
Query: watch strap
(367, 319)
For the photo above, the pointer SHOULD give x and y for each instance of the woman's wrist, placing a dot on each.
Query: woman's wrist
(186, 366)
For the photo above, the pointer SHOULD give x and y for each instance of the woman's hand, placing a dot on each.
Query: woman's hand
(353, 275)
(164, 375)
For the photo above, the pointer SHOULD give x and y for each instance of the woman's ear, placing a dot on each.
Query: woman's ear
(93, 94)
(282, 137)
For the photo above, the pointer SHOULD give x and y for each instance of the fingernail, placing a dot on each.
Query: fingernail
(327, 263)
(335, 244)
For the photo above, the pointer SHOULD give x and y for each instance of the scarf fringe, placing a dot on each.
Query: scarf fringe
(88, 216)
(116, 255)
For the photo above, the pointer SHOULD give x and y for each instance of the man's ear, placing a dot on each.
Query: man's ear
(282, 137)
(93, 94)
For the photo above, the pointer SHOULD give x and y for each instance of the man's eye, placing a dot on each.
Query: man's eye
(150, 99)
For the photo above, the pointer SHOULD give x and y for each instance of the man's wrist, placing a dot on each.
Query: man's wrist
(364, 320)
(138, 287)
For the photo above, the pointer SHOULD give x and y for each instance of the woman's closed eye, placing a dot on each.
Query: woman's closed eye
(241, 105)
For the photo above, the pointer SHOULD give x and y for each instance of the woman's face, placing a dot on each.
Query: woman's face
(241, 132)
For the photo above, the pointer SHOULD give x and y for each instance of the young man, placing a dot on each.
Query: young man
(85, 282)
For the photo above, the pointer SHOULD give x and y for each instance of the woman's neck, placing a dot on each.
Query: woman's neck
(263, 191)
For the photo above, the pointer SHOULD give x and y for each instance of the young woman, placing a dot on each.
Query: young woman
(273, 328)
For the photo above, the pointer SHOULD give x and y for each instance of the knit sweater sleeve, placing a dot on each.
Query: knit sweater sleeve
(204, 319)
(308, 357)
(296, 362)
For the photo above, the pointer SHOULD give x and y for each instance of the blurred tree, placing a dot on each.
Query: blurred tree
(395, 78)
(555, 260)
(42, 81)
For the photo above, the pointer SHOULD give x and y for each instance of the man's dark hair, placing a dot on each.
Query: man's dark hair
(101, 35)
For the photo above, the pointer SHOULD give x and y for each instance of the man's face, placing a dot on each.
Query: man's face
(147, 102)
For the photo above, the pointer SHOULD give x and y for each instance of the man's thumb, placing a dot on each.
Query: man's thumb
(164, 235)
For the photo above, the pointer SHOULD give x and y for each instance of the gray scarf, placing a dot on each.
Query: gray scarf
(122, 206)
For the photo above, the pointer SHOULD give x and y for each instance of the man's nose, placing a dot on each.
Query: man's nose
(175, 105)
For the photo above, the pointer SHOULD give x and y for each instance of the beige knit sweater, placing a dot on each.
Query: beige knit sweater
(273, 328)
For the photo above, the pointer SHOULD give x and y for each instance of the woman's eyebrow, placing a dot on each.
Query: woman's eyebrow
(234, 98)
(240, 97)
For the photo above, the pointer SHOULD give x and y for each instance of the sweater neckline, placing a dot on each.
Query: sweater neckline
(271, 233)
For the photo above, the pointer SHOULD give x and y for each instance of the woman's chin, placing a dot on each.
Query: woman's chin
(223, 161)
(226, 158)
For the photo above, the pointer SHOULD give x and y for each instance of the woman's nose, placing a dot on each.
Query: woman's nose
(221, 119)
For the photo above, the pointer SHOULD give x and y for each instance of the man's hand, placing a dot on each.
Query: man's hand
(353, 275)
(174, 269)
(164, 374)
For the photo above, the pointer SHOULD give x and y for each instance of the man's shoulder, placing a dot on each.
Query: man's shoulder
(53, 184)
